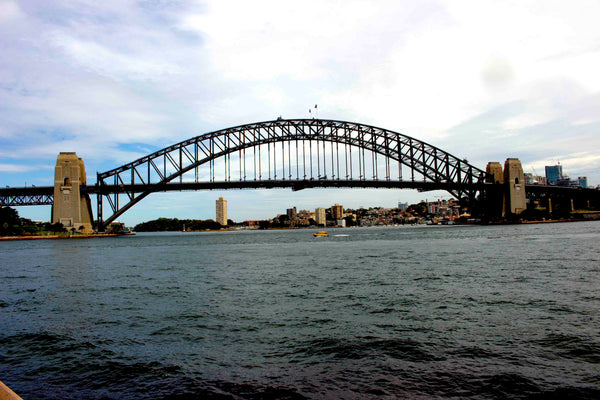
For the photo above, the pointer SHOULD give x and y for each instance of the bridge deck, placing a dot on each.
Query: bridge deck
(43, 195)
(27, 196)
(271, 184)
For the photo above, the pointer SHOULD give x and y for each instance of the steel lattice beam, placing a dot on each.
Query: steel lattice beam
(313, 140)
(27, 196)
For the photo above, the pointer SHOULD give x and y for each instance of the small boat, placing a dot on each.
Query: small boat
(320, 234)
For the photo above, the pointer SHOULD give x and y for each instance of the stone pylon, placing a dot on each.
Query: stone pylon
(514, 180)
(496, 198)
(71, 208)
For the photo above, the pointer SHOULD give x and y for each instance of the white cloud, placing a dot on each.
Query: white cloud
(15, 168)
(9, 10)
(106, 61)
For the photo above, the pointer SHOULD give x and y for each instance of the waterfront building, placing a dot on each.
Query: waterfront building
(528, 178)
(337, 211)
(304, 214)
(320, 216)
(433, 207)
(252, 224)
(554, 174)
(222, 211)
(402, 206)
(566, 181)
(582, 181)
(291, 213)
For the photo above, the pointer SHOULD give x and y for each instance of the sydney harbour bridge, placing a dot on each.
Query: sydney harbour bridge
(283, 153)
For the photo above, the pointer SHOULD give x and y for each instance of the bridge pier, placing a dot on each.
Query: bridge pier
(71, 208)
(495, 195)
(507, 197)
(514, 180)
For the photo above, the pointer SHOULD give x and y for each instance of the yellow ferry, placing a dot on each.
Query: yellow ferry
(320, 234)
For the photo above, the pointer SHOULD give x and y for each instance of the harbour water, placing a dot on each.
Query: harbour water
(396, 312)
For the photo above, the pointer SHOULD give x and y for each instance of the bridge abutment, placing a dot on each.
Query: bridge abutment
(508, 198)
(71, 208)
(514, 180)
(495, 197)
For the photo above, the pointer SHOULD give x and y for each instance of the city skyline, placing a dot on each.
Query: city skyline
(336, 211)
(115, 81)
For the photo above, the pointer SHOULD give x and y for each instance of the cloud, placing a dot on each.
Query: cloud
(120, 66)
(497, 72)
(9, 10)
(15, 168)
(555, 120)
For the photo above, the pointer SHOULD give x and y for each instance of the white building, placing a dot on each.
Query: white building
(222, 211)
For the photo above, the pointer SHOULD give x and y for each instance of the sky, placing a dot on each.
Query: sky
(115, 80)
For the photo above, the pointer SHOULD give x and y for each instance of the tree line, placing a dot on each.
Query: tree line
(13, 225)
(175, 225)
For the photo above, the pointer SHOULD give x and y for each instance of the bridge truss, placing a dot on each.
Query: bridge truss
(27, 196)
(297, 153)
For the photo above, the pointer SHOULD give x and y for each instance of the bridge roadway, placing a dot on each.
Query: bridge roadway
(27, 196)
(44, 195)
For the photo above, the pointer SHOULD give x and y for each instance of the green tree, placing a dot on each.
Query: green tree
(350, 221)
(264, 224)
(418, 209)
(10, 223)
(57, 227)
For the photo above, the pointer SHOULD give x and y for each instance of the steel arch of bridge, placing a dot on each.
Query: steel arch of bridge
(336, 148)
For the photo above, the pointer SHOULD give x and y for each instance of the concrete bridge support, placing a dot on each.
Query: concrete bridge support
(514, 180)
(495, 197)
(71, 208)
(508, 197)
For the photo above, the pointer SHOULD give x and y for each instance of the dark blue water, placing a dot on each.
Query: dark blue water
(407, 312)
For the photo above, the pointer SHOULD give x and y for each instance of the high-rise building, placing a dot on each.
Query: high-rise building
(553, 174)
(337, 211)
(222, 211)
(320, 218)
(582, 181)
(291, 213)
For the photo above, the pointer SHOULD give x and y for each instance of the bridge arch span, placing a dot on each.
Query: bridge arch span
(301, 151)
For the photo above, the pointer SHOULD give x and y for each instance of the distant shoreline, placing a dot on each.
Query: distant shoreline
(103, 235)
(50, 237)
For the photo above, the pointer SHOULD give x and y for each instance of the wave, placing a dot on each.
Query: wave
(370, 347)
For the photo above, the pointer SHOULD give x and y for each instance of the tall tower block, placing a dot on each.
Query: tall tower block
(222, 211)
(71, 208)
(515, 186)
